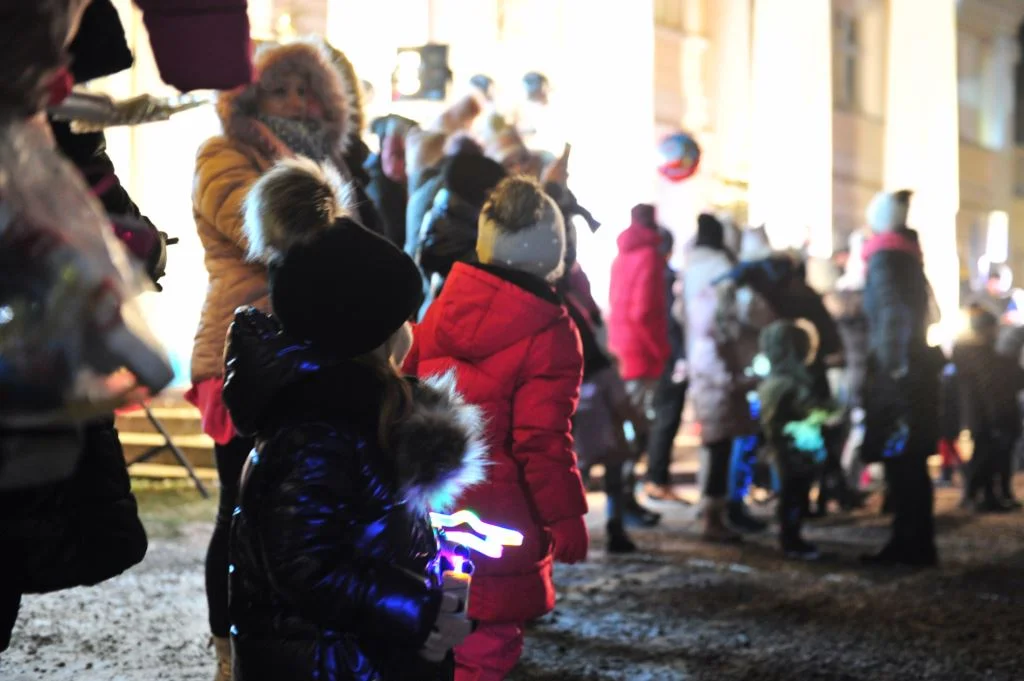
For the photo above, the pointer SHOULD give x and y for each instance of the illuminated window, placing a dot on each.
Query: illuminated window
(846, 56)
(970, 66)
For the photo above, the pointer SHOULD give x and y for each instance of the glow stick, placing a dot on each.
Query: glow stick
(501, 535)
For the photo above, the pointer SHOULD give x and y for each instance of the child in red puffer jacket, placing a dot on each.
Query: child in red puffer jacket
(517, 355)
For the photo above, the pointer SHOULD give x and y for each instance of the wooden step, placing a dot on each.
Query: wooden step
(177, 420)
(164, 472)
(197, 448)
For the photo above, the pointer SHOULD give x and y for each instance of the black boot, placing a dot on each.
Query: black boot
(798, 549)
(991, 503)
(740, 518)
(618, 540)
(924, 556)
(635, 515)
(793, 545)
(1008, 498)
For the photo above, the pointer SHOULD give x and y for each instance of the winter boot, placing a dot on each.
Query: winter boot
(618, 540)
(716, 530)
(798, 549)
(1007, 497)
(742, 520)
(222, 646)
(793, 545)
(634, 514)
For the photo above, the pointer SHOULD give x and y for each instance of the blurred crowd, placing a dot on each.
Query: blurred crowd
(394, 333)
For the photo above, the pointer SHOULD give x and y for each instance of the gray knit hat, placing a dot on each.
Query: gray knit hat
(522, 228)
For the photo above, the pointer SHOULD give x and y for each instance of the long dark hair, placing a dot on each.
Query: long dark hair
(395, 396)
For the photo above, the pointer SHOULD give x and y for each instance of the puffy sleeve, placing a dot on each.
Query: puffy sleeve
(542, 410)
(223, 178)
(649, 310)
(219, 53)
(310, 526)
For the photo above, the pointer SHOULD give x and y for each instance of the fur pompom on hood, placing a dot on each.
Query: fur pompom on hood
(292, 203)
(439, 448)
(339, 99)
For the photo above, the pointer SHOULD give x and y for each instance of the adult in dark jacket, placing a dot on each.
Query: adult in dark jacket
(670, 395)
(449, 232)
(78, 532)
(388, 185)
(989, 387)
(779, 279)
(100, 49)
(83, 529)
(421, 200)
(336, 574)
(902, 388)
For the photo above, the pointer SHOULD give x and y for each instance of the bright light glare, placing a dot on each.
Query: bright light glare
(487, 547)
(408, 82)
(997, 239)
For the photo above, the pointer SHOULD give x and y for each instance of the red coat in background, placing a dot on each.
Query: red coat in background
(638, 321)
(199, 44)
(517, 355)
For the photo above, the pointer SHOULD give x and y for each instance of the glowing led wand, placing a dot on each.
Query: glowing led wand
(490, 540)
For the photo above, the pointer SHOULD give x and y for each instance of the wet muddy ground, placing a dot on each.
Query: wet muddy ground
(678, 610)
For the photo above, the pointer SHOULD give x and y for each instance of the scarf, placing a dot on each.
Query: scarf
(903, 240)
(304, 137)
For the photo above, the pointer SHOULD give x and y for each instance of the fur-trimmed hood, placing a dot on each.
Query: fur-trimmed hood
(331, 84)
(272, 382)
(439, 449)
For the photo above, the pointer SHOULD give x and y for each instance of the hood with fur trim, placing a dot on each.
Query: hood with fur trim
(338, 96)
(272, 382)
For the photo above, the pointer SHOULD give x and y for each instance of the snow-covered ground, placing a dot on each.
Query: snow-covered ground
(679, 610)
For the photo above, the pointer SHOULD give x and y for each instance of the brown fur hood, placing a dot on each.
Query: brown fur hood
(335, 87)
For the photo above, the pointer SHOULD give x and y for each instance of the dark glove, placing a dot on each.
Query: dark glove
(146, 243)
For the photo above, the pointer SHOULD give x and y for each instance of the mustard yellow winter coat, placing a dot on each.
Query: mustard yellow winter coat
(229, 164)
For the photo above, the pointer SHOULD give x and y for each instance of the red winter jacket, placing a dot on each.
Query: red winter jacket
(517, 355)
(638, 322)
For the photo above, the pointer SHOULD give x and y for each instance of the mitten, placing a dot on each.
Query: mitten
(571, 540)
